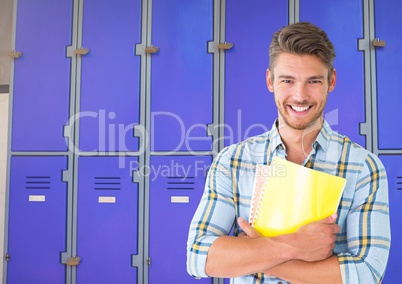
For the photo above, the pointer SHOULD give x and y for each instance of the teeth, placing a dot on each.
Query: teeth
(299, 108)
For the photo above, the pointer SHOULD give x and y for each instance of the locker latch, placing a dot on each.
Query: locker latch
(73, 261)
(148, 261)
(15, 54)
(378, 43)
(81, 51)
(7, 257)
(225, 45)
(152, 49)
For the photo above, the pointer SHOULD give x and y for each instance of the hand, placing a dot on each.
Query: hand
(314, 241)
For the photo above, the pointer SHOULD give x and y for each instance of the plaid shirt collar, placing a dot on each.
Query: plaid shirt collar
(322, 140)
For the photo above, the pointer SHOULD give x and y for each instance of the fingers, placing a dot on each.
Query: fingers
(329, 220)
(242, 235)
(333, 217)
(247, 228)
(316, 241)
(326, 226)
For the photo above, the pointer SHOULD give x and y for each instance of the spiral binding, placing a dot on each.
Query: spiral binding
(257, 195)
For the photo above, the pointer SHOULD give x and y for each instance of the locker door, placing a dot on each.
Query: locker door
(249, 107)
(41, 76)
(394, 172)
(37, 220)
(107, 220)
(176, 186)
(110, 75)
(389, 60)
(181, 83)
(343, 22)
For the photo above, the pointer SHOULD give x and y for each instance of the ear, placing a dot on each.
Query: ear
(269, 81)
(332, 82)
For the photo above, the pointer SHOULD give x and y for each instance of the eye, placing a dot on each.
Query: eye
(315, 81)
(286, 81)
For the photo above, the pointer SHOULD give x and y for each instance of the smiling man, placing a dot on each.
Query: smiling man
(351, 246)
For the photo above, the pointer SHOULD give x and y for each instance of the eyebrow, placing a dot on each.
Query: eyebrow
(285, 77)
(316, 77)
(308, 79)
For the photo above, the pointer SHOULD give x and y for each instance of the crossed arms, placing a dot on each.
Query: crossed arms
(301, 257)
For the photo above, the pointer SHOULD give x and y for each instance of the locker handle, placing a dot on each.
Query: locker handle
(82, 51)
(73, 261)
(151, 49)
(225, 45)
(15, 54)
(378, 43)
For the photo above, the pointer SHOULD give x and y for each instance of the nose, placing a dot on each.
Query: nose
(300, 92)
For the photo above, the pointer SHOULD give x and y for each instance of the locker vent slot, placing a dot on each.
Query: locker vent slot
(107, 183)
(37, 182)
(399, 183)
(180, 183)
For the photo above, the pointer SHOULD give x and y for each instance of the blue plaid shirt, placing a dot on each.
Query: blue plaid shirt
(363, 244)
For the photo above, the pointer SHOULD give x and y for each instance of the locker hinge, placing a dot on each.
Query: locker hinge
(73, 261)
(66, 175)
(148, 261)
(7, 257)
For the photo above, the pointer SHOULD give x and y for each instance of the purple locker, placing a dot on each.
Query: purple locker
(110, 75)
(181, 83)
(249, 107)
(394, 172)
(37, 220)
(107, 220)
(42, 75)
(343, 22)
(389, 61)
(176, 186)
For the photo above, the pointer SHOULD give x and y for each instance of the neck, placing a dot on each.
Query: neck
(299, 142)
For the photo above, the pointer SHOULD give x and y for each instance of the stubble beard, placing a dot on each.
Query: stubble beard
(299, 126)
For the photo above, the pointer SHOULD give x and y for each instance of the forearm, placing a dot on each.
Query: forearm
(233, 256)
(302, 272)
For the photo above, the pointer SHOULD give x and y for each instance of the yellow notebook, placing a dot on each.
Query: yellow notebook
(287, 196)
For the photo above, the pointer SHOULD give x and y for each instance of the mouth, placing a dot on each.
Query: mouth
(300, 109)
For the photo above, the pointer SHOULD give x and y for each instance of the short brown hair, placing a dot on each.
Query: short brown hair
(302, 38)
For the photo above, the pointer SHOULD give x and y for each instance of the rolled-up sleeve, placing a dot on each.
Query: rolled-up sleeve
(368, 227)
(214, 216)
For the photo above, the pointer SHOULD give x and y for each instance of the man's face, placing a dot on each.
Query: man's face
(300, 86)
